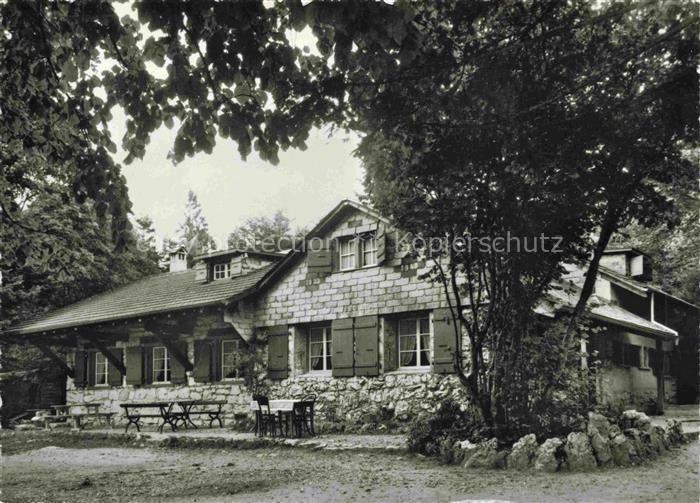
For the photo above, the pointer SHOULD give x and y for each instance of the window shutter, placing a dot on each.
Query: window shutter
(391, 359)
(177, 371)
(148, 364)
(114, 377)
(320, 261)
(80, 369)
(301, 349)
(366, 346)
(278, 352)
(91, 368)
(653, 363)
(202, 361)
(216, 357)
(134, 365)
(380, 239)
(443, 342)
(342, 347)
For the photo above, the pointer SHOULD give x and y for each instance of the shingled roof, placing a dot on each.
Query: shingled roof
(567, 293)
(164, 292)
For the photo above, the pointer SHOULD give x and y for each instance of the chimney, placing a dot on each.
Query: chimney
(178, 260)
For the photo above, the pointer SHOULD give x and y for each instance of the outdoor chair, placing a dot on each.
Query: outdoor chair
(265, 420)
(303, 416)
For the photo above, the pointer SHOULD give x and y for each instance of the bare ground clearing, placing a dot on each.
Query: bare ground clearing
(144, 474)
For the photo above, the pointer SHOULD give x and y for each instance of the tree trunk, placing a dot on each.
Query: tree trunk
(607, 229)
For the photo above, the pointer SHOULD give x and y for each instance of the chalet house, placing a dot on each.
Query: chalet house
(352, 323)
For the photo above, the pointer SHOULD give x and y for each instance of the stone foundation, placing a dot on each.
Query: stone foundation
(234, 393)
(388, 401)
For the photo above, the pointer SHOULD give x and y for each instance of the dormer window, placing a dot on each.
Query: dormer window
(222, 271)
(357, 252)
(369, 251)
(347, 254)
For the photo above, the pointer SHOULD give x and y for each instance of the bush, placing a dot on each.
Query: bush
(429, 434)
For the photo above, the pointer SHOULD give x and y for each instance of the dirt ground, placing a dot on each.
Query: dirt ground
(52, 473)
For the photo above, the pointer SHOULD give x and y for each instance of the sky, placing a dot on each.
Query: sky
(305, 185)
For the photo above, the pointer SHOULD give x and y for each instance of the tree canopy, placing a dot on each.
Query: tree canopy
(193, 232)
(273, 233)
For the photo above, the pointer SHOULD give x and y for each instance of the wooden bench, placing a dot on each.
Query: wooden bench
(133, 413)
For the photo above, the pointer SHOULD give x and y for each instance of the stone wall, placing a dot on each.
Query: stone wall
(233, 392)
(389, 401)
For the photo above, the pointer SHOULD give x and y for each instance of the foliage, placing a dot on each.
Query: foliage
(146, 238)
(194, 231)
(58, 254)
(449, 423)
(539, 398)
(265, 233)
(253, 365)
(558, 120)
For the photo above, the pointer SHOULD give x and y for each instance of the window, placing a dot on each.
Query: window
(181, 256)
(161, 364)
(632, 355)
(646, 358)
(221, 271)
(320, 349)
(101, 370)
(369, 251)
(347, 254)
(414, 343)
(626, 354)
(229, 359)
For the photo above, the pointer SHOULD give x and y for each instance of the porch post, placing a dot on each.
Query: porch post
(660, 378)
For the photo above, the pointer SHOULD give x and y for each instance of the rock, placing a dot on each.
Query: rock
(637, 449)
(635, 419)
(674, 432)
(484, 455)
(599, 430)
(547, 459)
(599, 423)
(620, 450)
(614, 431)
(579, 454)
(85, 482)
(601, 447)
(524, 452)
(466, 445)
(656, 439)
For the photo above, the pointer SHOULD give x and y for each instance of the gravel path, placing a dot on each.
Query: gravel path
(128, 474)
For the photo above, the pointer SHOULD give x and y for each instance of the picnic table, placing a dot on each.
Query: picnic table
(62, 412)
(173, 412)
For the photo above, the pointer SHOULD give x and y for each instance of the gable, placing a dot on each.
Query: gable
(304, 293)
